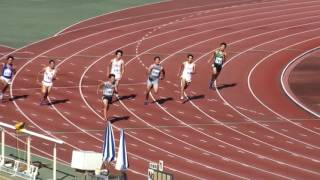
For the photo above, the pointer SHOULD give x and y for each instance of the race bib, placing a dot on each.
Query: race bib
(189, 70)
(116, 69)
(155, 72)
(7, 72)
(218, 60)
(108, 91)
(48, 77)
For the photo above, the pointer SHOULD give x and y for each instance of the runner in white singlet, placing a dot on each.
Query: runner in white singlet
(188, 68)
(49, 75)
(116, 67)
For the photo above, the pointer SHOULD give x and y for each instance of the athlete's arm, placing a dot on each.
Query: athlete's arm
(3, 64)
(109, 68)
(122, 69)
(149, 69)
(40, 73)
(55, 74)
(180, 70)
(14, 70)
(225, 57)
(99, 86)
(194, 69)
(163, 74)
(213, 57)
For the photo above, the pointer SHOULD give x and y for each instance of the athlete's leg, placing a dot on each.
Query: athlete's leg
(105, 108)
(217, 74)
(49, 88)
(5, 86)
(44, 91)
(213, 72)
(116, 86)
(2, 82)
(156, 88)
(183, 87)
(149, 87)
(4, 89)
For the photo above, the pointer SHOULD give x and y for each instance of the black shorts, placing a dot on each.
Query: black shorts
(218, 67)
(109, 98)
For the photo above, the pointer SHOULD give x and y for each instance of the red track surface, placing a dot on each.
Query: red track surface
(5, 50)
(303, 72)
(247, 128)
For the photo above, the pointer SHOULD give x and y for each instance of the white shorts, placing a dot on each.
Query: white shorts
(117, 76)
(187, 78)
(47, 84)
(7, 80)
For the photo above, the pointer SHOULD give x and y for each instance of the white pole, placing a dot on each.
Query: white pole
(54, 162)
(28, 153)
(2, 146)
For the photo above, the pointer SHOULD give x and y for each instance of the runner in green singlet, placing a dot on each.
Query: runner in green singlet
(218, 59)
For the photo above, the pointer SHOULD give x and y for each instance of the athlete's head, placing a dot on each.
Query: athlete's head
(10, 59)
(223, 46)
(157, 60)
(112, 78)
(52, 64)
(119, 53)
(190, 57)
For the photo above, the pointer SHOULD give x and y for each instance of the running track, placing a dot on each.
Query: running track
(247, 128)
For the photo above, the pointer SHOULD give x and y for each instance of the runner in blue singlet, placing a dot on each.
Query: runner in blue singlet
(7, 74)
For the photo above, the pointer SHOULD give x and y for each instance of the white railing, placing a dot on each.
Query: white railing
(18, 168)
(31, 171)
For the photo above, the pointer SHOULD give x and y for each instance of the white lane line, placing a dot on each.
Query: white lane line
(152, 150)
(150, 137)
(134, 145)
(99, 134)
(256, 144)
(81, 142)
(270, 137)
(164, 118)
(66, 124)
(238, 139)
(217, 133)
(168, 142)
(203, 141)
(212, 100)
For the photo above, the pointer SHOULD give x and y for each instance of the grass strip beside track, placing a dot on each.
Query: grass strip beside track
(24, 22)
